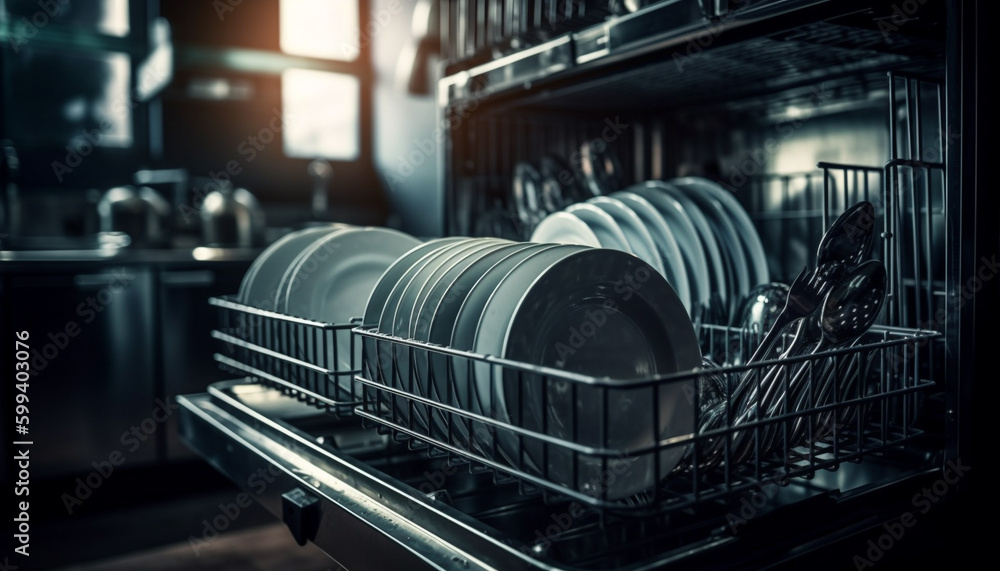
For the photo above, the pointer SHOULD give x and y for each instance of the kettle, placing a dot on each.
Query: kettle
(231, 218)
(137, 211)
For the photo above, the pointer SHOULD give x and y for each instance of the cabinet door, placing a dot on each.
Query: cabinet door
(92, 393)
(187, 323)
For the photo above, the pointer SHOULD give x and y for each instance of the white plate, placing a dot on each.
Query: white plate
(387, 281)
(378, 355)
(466, 324)
(260, 284)
(666, 244)
(688, 239)
(433, 302)
(643, 332)
(437, 321)
(395, 321)
(564, 228)
(729, 240)
(710, 245)
(751, 241)
(460, 258)
(603, 225)
(638, 236)
(332, 283)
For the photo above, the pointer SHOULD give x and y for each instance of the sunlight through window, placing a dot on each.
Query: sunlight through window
(321, 114)
(320, 28)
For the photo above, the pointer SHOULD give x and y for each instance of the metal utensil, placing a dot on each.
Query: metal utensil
(849, 237)
(843, 245)
(805, 295)
(849, 310)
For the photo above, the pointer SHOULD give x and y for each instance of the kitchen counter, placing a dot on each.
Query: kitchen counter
(166, 256)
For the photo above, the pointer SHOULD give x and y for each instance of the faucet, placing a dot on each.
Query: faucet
(321, 172)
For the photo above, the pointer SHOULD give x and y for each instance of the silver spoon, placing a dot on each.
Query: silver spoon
(849, 237)
(844, 244)
(848, 312)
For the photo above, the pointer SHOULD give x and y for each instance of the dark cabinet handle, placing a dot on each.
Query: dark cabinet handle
(94, 281)
(301, 513)
(195, 278)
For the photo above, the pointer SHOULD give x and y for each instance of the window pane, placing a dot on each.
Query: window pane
(60, 99)
(321, 114)
(320, 28)
(104, 16)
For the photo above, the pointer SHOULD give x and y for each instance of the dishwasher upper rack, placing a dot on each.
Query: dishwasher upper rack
(454, 425)
(298, 356)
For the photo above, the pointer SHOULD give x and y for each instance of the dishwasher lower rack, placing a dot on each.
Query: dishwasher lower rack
(302, 358)
(396, 508)
(805, 423)
(849, 404)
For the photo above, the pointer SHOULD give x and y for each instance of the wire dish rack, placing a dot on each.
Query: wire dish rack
(433, 398)
(538, 438)
(298, 356)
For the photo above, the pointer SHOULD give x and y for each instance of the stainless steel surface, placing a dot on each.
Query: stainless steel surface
(139, 212)
(128, 255)
(242, 429)
(404, 510)
(232, 218)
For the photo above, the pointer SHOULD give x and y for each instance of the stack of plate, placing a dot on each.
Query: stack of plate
(325, 274)
(690, 229)
(590, 311)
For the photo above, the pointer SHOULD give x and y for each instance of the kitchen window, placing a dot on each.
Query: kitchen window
(76, 81)
(321, 108)
(268, 87)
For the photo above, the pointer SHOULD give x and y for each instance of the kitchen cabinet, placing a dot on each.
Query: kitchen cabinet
(92, 353)
(184, 332)
(111, 345)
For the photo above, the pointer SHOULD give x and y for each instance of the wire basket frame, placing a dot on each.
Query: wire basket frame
(832, 407)
(300, 357)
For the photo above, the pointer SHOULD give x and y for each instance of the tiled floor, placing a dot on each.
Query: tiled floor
(262, 548)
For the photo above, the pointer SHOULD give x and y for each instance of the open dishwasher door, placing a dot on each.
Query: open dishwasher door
(372, 504)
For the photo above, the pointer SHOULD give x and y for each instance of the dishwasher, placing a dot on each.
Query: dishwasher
(800, 109)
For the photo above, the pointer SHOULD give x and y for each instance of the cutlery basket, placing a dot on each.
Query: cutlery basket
(567, 453)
